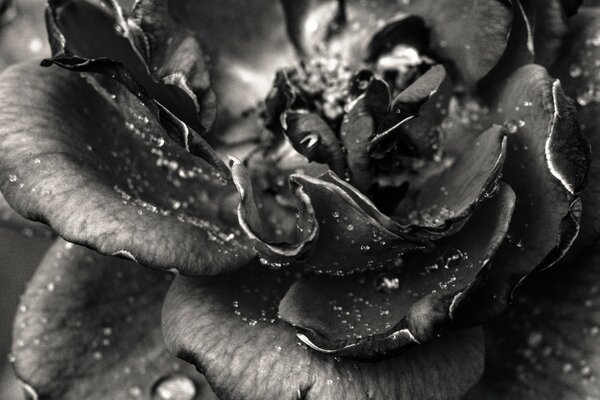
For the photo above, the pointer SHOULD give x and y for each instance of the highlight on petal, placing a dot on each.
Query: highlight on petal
(547, 345)
(328, 217)
(546, 165)
(374, 315)
(98, 169)
(576, 67)
(88, 326)
(203, 316)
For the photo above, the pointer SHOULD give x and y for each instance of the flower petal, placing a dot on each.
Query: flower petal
(546, 165)
(10, 219)
(98, 30)
(328, 217)
(203, 316)
(450, 195)
(173, 55)
(470, 34)
(89, 327)
(548, 344)
(578, 72)
(378, 314)
(108, 180)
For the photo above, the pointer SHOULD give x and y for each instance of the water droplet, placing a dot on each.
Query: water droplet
(350, 227)
(387, 282)
(575, 70)
(174, 387)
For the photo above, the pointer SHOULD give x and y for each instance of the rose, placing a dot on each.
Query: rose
(438, 269)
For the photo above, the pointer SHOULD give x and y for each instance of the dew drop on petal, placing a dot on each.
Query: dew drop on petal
(387, 282)
(174, 387)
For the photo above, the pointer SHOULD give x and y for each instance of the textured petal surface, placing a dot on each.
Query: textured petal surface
(202, 317)
(109, 179)
(88, 326)
(546, 165)
(548, 345)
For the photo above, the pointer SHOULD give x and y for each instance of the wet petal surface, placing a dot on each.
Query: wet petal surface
(203, 316)
(546, 165)
(88, 326)
(110, 180)
(376, 314)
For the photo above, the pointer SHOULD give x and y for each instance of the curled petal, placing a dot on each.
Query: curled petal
(313, 138)
(546, 164)
(373, 315)
(173, 55)
(328, 217)
(451, 195)
(577, 71)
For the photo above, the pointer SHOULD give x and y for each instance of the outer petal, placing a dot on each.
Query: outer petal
(109, 180)
(203, 317)
(89, 327)
(546, 165)
(580, 74)
(548, 345)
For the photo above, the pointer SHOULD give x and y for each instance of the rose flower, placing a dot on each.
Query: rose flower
(333, 199)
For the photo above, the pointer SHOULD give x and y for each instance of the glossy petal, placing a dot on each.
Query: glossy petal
(110, 180)
(377, 314)
(580, 77)
(548, 345)
(173, 55)
(89, 327)
(203, 316)
(331, 214)
(546, 165)
(470, 34)
(451, 194)
(93, 31)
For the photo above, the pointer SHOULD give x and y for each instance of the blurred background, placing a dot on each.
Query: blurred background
(22, 37)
